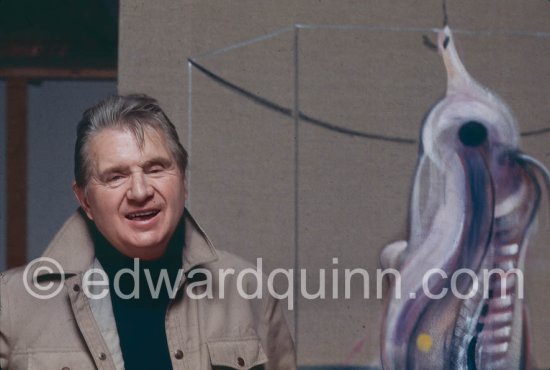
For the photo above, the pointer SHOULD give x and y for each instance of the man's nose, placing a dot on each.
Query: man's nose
(139, 190)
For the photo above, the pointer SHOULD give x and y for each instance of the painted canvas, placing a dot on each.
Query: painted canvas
(457, 302)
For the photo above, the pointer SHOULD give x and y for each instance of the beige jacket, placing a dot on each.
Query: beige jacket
(73, 331)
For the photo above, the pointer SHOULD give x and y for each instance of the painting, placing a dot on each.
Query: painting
(458, 300)
(320, 132)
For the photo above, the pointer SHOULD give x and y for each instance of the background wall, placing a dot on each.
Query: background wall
(300, 196)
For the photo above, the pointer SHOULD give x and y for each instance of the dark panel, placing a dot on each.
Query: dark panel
(58, 33)
(16, 187)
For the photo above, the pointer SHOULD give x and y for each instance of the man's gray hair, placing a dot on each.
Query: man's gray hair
(129, 112)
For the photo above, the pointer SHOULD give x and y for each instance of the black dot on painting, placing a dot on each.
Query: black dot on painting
(472, 134)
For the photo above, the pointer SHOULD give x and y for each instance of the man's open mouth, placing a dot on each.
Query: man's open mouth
(142, 215)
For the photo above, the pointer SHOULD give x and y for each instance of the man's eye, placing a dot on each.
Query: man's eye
(156, 169)
(115, 178)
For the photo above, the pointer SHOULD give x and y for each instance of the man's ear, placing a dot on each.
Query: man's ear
(80, 195)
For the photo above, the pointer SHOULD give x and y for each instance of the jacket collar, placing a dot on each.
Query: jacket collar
(73, 248)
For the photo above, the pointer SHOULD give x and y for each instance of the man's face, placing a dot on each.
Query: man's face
(135, 196)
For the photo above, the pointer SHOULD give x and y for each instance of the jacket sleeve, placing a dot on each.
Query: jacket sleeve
(277, 341)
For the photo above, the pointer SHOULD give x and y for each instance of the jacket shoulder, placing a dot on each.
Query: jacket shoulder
(230, 260)
(11, 279)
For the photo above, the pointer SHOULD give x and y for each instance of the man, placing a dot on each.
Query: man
(133, 236)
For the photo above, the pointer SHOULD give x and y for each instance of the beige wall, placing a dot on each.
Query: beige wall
(352, 192)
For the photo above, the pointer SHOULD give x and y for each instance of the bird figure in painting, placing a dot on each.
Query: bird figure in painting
(457, 302)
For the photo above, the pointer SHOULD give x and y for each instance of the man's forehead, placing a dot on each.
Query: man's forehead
(115, 146)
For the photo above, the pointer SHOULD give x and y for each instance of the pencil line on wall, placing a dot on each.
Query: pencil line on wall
(303, 117)
(189, 129)
(296, 116)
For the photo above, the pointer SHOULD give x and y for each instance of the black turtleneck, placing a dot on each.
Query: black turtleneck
(140, 320)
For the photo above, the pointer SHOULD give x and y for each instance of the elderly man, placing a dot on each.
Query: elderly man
(125, 261)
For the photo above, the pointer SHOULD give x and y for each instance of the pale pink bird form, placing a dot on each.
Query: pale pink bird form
(473, 206)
